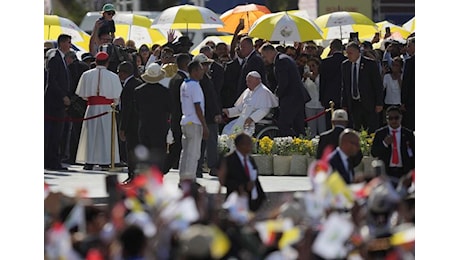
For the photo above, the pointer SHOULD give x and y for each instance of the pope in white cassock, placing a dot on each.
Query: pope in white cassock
(100, 87)
(252, 106)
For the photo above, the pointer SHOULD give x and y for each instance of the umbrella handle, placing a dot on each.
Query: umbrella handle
(249, 25)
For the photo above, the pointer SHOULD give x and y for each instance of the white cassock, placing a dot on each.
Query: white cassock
(94, 146)
(255, 104)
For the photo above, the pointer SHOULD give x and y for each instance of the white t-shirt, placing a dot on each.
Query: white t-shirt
(392, 90)
(190, 94)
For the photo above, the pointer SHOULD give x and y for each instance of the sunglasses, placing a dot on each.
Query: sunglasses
(110, 13)
(393, 117)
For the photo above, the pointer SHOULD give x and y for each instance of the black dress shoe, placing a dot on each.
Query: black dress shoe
(88, 167)
(57, 168)
(213, 172)
(199, 175)
(128, 180)
(104, 167)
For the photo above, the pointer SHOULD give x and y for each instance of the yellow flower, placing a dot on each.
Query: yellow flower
(265, 145)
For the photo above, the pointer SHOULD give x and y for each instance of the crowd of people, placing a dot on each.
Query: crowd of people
(172, 107)
(149, 219)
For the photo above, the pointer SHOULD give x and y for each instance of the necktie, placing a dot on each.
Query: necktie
(246, 168)
(67, 73)
(354, 82)
(395, 158)
(351, 170)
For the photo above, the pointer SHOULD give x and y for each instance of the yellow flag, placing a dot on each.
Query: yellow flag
(220, 244)
(338, 187)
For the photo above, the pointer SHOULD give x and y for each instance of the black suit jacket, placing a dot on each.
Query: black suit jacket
(211, 107)
(216, 72)
(58, 84)
(236, 177)
(370, 84)
(330, 83)
(290, 89)
(406, 146)
(331, 137)
(254, 62)
(408, 83)
(336, 163)
(176, 108)
(232, 72)
(129, 117)
(153, 103)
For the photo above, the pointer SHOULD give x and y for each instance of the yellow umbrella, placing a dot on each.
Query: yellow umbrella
(338, 25)
(138, 28)
(285, 27)
(410, 25)
(55, 25)
(249, 13)
(187, 17)
(393, 28)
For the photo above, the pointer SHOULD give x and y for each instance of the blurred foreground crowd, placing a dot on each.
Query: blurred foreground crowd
(148, 219)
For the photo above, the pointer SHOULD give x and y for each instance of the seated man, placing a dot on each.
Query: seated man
(252, 106)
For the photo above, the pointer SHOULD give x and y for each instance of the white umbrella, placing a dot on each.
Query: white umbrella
(340, 24)
(285, 27)
(187, 17)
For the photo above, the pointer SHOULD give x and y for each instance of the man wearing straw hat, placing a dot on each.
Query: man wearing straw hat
(154, 104)
(101, 88)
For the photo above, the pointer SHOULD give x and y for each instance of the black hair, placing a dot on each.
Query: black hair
(241, 138)
(267, 47)
(133, 241)
(336, 45)
(126, 67)
(193, 65)
(183, 59)
(393, 108)
(63, 37)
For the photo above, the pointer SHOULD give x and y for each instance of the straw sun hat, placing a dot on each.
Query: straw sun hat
(153, 74)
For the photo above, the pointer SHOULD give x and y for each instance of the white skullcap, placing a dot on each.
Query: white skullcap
(254, 74)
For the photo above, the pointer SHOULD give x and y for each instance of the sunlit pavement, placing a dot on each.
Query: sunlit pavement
(68, 182)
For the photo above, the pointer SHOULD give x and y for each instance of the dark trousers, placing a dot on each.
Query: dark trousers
(53, 136)
(156, 145)
(132, 141)
(209, 149)
(395, 173)
(74, 140)
(291, 121)
(173, 157)
(408, 119)
(363, 117)
(121, 144)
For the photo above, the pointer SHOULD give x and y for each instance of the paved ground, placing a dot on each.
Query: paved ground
(94, 182)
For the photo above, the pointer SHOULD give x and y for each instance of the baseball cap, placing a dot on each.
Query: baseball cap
(340, 115)
(108, 8)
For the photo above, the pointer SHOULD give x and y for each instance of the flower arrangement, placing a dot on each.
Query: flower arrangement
(265, 145)
(283, 145)
(300, 146)
(365, 141)
(225, 143)
(313, 146)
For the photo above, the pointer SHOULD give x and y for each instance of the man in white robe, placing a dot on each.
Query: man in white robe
(251, 107)
(100, 87)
